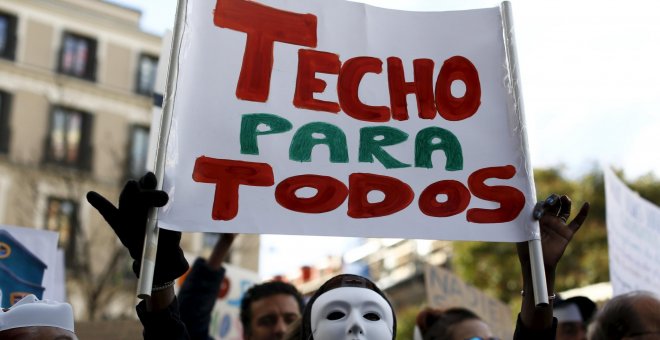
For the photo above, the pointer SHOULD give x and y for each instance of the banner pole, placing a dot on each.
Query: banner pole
(535, 250)
(150, 247)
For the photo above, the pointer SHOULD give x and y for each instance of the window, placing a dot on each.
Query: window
(5, 109)
(62, 217)
(69, 138)
(7, 36)
(146, 76)
(139, 147)
(78, 56)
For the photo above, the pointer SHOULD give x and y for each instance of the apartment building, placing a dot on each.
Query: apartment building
(76, 79)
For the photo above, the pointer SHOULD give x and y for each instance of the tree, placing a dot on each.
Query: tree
(494, 267)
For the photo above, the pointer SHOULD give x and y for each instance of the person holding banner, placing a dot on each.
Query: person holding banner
(128, 220)
(537, 322)
(159, 314)
(162, 316)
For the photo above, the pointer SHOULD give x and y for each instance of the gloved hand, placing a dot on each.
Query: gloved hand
(129, 222)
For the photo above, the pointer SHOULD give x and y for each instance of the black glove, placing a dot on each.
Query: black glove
(129, 223)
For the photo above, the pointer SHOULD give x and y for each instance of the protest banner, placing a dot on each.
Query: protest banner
(30, 258)
(446, 290)
(325, 118)
(633, 235)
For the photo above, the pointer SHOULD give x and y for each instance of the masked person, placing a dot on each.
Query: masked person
(348, 307)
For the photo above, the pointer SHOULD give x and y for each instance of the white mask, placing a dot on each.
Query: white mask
(351, 313)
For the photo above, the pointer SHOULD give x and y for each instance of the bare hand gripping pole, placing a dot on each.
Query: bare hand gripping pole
(145, 282)
(535, 251)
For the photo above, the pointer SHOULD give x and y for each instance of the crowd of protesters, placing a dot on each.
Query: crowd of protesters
(344, 307)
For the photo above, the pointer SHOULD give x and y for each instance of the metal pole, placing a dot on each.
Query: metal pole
(535, 251)
(150, 247)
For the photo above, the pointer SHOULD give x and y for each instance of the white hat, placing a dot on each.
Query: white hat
(568, 313)
(30, 311)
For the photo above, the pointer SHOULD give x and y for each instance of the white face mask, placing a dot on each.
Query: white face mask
(351, 313)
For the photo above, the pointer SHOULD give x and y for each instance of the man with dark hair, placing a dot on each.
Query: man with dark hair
(268, 309)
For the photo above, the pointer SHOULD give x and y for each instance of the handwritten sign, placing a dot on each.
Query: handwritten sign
(633, 235)
(446, 290)
(339, 118)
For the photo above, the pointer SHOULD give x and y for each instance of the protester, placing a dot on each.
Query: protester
(327, 314)
(573, 316)
(634, 315)
(348, 306)
(31, 318)
(266, 310)
(452, 324)
(159, 314)
(537, 322)
(534, 322)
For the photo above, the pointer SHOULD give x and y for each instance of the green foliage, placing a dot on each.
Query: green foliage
(494, 267)
(405, 322)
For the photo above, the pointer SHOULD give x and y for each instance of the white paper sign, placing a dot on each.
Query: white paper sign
(43, 244)
(365, 122)
(633, 235)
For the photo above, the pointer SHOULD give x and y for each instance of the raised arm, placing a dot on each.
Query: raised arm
(200, 289)
(556, 233)
(128, 220)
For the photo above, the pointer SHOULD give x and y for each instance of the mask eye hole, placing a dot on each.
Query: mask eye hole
(336, 315)
(371, 316)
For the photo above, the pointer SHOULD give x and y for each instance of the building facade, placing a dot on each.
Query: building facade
(76, 79)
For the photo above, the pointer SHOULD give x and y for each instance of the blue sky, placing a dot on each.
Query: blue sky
(590, 78)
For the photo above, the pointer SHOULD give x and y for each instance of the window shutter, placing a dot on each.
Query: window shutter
(86, 155)
(5, 116)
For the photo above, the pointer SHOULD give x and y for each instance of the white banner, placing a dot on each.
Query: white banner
(338, 118)
(633, 236)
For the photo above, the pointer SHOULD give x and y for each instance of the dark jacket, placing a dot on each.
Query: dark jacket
(189, 316)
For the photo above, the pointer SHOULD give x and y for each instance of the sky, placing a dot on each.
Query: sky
(590, 83)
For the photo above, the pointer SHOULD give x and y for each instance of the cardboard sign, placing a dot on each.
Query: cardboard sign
(338, 118)
(633, 235)
(446, 290)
